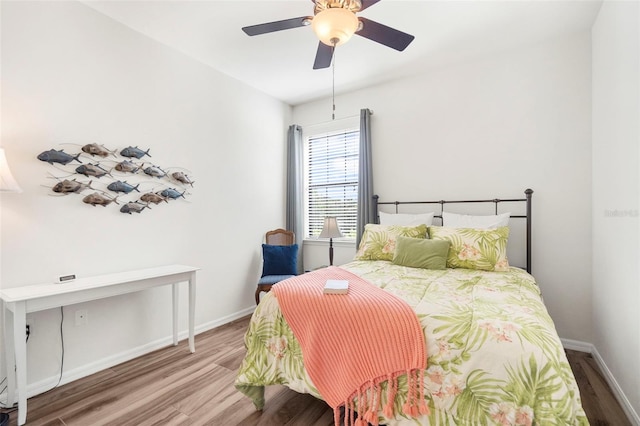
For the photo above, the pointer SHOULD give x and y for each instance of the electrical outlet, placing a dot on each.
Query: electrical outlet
(82, 317)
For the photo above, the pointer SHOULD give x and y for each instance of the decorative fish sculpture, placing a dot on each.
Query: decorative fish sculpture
(151, 197)
(172, 193)
(134, 151)
(119, 186)
(155, 172)
(96, 199)
(70, 186)
(128, 166)
(99, 150)
(61, 157)
(133, 207)
(182, 178)
(92, 170)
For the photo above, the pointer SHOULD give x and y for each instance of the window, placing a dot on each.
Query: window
(331, 181)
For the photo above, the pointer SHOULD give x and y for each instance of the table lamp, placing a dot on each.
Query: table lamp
(330, 230)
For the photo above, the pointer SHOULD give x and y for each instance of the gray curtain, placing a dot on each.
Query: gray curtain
(365, 176)
(294, 188)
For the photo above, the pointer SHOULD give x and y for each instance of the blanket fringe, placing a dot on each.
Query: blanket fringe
(369, 399)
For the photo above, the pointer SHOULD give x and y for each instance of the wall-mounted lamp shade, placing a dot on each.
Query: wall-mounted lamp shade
(7, 182)
(336, 24)
(330, 228)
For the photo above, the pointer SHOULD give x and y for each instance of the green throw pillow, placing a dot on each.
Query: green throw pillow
(421, 253)
(379, 241)
(471, 248)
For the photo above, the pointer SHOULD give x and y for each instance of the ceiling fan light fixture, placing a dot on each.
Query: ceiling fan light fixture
(334, 24)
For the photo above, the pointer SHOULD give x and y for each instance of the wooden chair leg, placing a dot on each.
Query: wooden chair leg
(262, 287)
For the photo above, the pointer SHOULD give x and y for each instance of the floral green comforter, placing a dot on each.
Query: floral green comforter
(494, 357)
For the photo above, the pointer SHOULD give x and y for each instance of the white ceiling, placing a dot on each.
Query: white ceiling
(280, 64)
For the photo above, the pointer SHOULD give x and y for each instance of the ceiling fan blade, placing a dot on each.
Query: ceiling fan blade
(382, 34)
(270, 27)
(323, 56)
(367, 3)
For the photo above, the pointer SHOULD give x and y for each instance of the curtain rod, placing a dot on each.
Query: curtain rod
(333, 121)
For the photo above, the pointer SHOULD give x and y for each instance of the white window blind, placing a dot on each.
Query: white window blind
(332, 181)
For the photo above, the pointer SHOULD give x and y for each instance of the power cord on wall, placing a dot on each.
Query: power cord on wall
(61, 350)
(61, 347)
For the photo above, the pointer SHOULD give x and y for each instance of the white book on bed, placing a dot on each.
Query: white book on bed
(336, 287)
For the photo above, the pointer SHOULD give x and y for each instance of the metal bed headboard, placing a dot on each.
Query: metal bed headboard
(528, 194)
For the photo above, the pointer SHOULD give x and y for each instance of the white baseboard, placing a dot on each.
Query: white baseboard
(37, 388)
(632, 415)
(224, 320)
(576, 345)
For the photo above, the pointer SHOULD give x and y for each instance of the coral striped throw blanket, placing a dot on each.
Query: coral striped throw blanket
(353, 342)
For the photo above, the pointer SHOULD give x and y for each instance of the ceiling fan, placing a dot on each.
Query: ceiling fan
(334, 22)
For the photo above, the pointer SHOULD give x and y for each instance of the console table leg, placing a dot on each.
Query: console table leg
(192, 312)
(175, 314)
(10, 355)
(19, 327)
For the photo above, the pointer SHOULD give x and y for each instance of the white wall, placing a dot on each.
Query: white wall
(492, 128)
(70, 74)
(616, 136)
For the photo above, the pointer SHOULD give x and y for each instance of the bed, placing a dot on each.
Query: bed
(493, 356)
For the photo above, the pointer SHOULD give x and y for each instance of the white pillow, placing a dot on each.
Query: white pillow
(454, 220)
(404, 219)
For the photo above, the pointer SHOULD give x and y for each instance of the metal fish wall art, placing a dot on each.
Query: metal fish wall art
(70, 186)
(128, 166)
(119, 186)
(60, 157)
(172, 193)
(94, 170)
(146, 184)
(99, 150)
(152, 197)
(182, 178)
(134, 151)
(97, 199)
(133, 207)
(154, 171)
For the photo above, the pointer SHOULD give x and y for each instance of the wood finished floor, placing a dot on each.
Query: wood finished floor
(173, 387)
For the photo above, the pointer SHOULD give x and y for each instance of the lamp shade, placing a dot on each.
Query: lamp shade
(7, 182)
(330, 228)
(334, 24)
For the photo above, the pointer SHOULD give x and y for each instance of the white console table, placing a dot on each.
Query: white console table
(22, 300)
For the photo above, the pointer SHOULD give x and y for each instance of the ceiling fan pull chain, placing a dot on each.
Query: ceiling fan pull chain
(333, 85)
